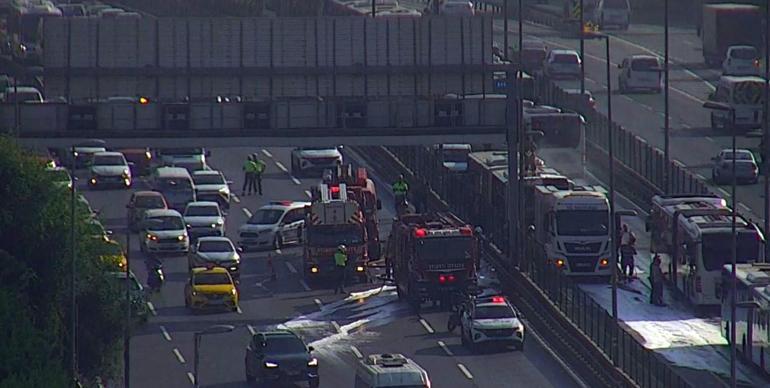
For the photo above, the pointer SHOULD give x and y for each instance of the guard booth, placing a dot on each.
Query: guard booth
(351, 114)
(256, 115)
(448, 112)
(176, 116)
(82, 117)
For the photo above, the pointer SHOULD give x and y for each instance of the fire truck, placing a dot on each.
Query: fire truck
(334, 219)
(434, 256)
(361, 189)
(693, 236)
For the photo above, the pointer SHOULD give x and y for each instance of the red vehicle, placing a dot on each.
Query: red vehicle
(362, 190)
(140, 160)
(433, 256)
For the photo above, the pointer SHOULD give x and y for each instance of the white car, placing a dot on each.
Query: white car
(457, 8)
(640, 72)
(741, 60)
(204, 218)
(489, 320)
(218, 251)
(211, 185)
(60, 176)
(746, 167)
(164, 232)
(613, 13)
(562, 64)
(307, 161)
(109, 169)
(192, 159)
(274, 225)
(84, 151)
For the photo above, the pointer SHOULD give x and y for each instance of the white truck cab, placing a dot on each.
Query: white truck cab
(390, 370)
(738, 103)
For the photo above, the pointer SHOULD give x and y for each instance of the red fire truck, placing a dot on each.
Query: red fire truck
(361, 189)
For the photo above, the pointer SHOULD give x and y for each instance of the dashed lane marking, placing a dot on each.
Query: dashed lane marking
(238, 310)
(723, 191)
(744, 207)
(446, 348)
(304, 285)
(165, 333)
(318, 303)
(701, 177)
(191, 377)
(308, 193)
(236, 199)
(178, 356)
(278, 251)
(356, 352)
(152, 309)
(426, 325)
(247, 212)
(336, 326)
(465, 371)
(296, 181)
(267, 153)
(291, 268)
(628, 98)
(281, 166)
(709, 138)
(252, 330)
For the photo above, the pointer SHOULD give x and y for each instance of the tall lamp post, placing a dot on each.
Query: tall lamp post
(766, 127)
(73, 276)
(216, 329)
(127, 334)
(666, 119)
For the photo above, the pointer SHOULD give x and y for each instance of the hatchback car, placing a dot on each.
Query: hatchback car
(210, 288)
(85, 150)
(746, 167)
(562, 64)
(164, 231)
(280, 357)
(741, 60)
(217, 251)
(140, 202)
(309, 161)
(211, 185)
(274, 225)
(488, 320)
(204, 219)
(640, 72)
(109, 169)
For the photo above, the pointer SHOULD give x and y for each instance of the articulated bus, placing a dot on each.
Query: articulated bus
(752, 323)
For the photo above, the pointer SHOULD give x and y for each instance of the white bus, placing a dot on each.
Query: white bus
(752, 323)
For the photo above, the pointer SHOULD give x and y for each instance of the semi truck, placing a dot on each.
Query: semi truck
(729, 24)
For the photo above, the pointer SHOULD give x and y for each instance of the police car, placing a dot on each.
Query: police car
(390, 370)
(488, 320)
(274, 225)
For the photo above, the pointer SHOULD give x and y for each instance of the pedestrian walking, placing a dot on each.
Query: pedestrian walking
(400, 191)
(248, 175)
(656, 282)
(627, 253)
(340, 266)
(259, 168)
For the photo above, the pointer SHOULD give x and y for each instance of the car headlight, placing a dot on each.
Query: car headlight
(194, 293)
(182, 238)
(125, 173)
(189, 226)
(224, 190)
(93, 180)
(220, 222)
(148, 155)
(313, 362)
(269, 364)
(152, 237)
(233, 291)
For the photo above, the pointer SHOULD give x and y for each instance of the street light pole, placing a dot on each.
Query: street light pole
(614, 254)
(766, 132)
(127, 334)
(582, 53)
(733, 278)
(520, 138)
(666, 120)
(73, 271)
(505, 28)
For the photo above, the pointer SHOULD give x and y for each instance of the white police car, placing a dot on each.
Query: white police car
(274, 225)
(488, 320)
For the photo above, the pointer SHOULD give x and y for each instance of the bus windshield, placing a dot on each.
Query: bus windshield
(717, 248)
(439, 250)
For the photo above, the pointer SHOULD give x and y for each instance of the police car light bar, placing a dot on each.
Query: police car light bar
(498, 299)
(422, 233)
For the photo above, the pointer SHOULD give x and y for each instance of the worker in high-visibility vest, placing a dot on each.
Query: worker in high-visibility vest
(259, 168)
(340, 267)
(400, 190)
(249, 169)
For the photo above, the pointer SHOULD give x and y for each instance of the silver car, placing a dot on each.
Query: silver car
(274, 225)
(109, 169)
(218, 251)
(746, 168)
(309, 161)
(562, 64)
(211, 185)
(164, 231)
(204, 218)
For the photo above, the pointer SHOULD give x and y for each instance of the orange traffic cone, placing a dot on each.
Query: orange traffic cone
(271, 266)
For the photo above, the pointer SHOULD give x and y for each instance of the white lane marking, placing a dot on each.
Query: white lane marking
(304, 285)
(308, 193)
(281, 166)
(318, 303)
(446, 348)
(247, 212)
(278, 251)
(661, 114)
(558, 359)
(252, 330)
(152, 309)
(291, 268)
(465, 371)
(336, 326)
(178, 356)
(723, 191)
(426, 325)
(165, 333)
(709, 138)
(701, 177)
(191, 377)
(267, 153)
(649, 108)
(296, 181)
(744, 207)
(356, 352)
(236, 199)
(238, 309)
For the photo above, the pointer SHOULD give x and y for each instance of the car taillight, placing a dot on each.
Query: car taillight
(446, 279)
(698, 284)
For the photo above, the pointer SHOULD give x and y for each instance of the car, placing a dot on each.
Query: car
(85, 150)
(21, 94)
(533, 54)
(309, 161)
(164, 232)
(586, 98)
(640, 72)
(112, 254)
(562, 64)
(139, 307)
(192, 159)
(218, 251)
(488, 320)
(176, 185)
(211, 185)
(109, 169)
(280, 356)
(274, 225)
(72, 9)
(456, 8)
(210, 287)
(613, 13)
(140, 160)
(741, 60)
(140, 202)
(453, 157)
(204, 218)
(60, 177)
(746, 167)
(390, 370)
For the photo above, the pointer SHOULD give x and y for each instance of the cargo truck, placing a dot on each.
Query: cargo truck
(729, 24)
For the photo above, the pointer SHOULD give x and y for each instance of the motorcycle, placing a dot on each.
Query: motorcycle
(155, 276)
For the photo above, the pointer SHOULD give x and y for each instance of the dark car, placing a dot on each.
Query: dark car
(140, 202)
(280, 356)
(141, 159)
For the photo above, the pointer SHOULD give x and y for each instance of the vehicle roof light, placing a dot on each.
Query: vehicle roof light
(419, 233)
(335, 189)
(498, 299)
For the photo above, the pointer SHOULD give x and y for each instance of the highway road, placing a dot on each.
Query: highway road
(341, 329)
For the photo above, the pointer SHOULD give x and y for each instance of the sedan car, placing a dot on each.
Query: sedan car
(562, 64)
(491, 320)
(140, 202)
(309, 161)
(164, 231)
(109, 169)
(212, 186)
(84, 151)
(746, 167)
(280, 357)
(140, 160)
(204, 218)
(210, 288)
(274, 225)
(218, 251)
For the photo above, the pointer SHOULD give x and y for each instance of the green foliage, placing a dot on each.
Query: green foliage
(35, 281)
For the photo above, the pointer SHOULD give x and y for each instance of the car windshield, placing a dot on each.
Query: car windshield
(745, 53)
(569, 59)
(456, 156)
(149, 202)
(738, 156)
(59, 175)
(215, 246)
(266, 217)
(182, 151)
(328, 236)
(174, 184)
(165, 223)
(211, 279)
(284, 345)
(440, 250)
(615, 4)
(645, 64)
(493, 312)
(109, 160)
(717, 248)
(208, 179)
(201, 211)
(582, 222)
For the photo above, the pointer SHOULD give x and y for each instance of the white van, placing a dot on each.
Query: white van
(640, 72)
(743, 96)
(615, 13)
(390, 370)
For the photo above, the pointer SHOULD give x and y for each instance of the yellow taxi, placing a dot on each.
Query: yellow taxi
(113, 254)
(210, 287)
